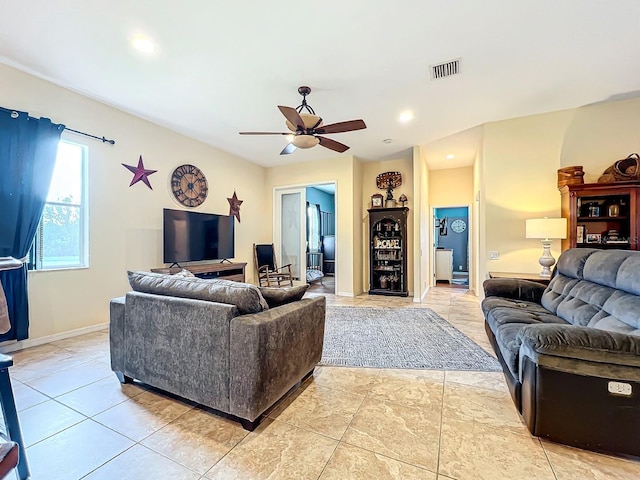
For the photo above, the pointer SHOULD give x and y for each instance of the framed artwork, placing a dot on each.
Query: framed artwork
(580, 234)
(594, 238)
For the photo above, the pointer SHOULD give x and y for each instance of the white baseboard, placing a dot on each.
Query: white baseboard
(13, 345)
(345, 294)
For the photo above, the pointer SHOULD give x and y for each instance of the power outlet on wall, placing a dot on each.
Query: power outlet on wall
(493, 255)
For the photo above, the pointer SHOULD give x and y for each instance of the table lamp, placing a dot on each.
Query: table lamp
(546, 229)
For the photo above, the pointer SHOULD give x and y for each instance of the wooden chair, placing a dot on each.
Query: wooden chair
(14, 433)
(269, 274)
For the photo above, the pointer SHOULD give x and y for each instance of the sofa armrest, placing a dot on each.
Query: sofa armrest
(180, 345)
(580, 343)
(271, 351)
(514, 288)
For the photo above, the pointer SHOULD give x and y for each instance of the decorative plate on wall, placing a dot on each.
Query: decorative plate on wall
(389, 180)
(458, 225)
(189, 185)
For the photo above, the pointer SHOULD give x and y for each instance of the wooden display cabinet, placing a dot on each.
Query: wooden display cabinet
(602, 215)
(388, 251)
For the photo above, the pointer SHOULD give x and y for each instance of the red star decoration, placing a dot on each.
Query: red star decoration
(234, 206)
(140, 173)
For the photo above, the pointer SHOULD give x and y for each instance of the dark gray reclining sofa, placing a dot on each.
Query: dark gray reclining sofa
(214, 342)
(570, 352)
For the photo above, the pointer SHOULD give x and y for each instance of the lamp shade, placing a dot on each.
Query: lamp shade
(546, 228)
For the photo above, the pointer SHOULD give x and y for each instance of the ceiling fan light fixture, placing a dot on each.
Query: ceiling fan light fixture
(305, 141)
(310, 121)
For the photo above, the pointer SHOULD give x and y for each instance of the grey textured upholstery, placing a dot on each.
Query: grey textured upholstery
(595, 289)
(565, 350)
(245, 296)
(209, 353)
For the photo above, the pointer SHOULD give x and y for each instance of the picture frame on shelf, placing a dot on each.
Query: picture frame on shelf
(580, 234)
(594, 238)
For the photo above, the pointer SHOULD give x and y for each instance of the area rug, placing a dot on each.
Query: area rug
(399, 338)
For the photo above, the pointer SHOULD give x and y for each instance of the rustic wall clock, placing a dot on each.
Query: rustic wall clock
(189, 185)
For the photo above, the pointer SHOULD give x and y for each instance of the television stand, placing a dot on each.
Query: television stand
(224, 271)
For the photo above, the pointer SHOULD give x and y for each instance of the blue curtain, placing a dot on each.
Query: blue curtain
(28, 148)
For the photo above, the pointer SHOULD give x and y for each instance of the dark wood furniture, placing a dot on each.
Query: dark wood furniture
(388, 251)
(522, 276)
(328, 249)
(224, 271)
(269, 274)
(598, 209)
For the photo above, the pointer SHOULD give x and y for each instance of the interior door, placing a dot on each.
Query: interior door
(290, 229)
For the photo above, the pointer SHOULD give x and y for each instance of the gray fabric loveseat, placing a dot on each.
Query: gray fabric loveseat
(214, 342)
(570, 352)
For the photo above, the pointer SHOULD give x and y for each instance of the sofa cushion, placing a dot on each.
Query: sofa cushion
(246, 297)
(509, 344)
(602, 293)
(500, 311)
(280, 296)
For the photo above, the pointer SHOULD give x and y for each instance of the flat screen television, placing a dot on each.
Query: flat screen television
(192, 236)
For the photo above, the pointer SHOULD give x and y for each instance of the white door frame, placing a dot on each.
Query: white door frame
(432, 246)
(277, 220)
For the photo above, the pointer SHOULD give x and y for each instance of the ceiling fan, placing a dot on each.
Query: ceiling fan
(306, 128)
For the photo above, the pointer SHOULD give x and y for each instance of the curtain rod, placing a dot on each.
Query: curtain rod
(14, 114)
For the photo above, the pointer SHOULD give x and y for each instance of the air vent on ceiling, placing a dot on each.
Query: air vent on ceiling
(446, 69)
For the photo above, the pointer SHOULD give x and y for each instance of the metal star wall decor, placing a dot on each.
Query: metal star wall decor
(234, 206)
(140, 173)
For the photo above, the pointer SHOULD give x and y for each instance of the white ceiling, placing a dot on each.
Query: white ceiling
(223, 66)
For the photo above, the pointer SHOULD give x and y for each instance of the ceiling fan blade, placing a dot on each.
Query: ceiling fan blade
(290, 148)
(264, 133)
(293, 116)
(340, 127)
(333, 145)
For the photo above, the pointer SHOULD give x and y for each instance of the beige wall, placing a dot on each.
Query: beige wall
(451, 187)
(518, 172)
(370, 170)
(598, 135)
(125, 226)
(341, 171)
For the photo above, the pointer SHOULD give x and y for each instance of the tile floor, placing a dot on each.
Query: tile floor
(344, 423)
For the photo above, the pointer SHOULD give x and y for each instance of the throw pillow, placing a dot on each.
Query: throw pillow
(244, 296)
(276, 296)
(184, 273)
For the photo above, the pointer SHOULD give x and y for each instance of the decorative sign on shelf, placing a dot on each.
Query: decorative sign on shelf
(387, 243)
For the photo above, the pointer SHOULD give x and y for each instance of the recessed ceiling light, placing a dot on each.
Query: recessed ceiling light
(406, 116)
(143, 44)
(451, 156)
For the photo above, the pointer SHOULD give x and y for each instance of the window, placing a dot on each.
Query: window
(61, 238)
(313, 227)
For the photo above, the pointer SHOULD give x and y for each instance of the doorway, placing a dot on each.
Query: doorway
(305, 233)
(451, 243)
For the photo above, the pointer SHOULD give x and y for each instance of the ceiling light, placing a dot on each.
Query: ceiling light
(290, 137)
(305, 141)
(143, 44)
(451, 156)
(406, 116)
